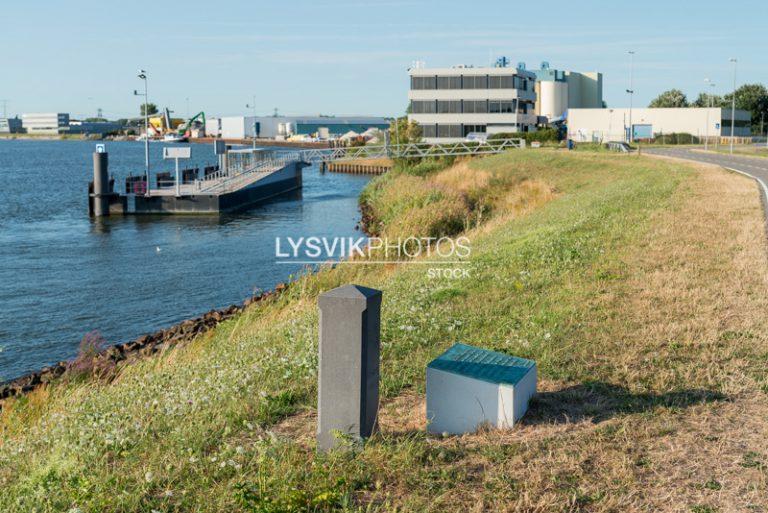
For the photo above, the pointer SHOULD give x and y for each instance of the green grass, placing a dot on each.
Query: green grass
(195, 429)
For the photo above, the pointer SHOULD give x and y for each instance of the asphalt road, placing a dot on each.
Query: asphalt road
(754, 167)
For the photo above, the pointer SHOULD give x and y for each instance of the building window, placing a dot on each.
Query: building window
(449, 106)
(423, 107)
(421, 83)
(505, 82)
(508, 82)
(428, 131)
(475, 106)
(449, 82)
(449, 130)
(501, 107)
(468, 129)
(740, 123)
(475, 82)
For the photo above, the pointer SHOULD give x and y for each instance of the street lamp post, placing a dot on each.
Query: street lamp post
(631, 91)
(253, 106)
(706, 135)
(733, 103)
(143, 76)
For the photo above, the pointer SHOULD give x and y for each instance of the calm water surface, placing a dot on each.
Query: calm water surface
(63, 274)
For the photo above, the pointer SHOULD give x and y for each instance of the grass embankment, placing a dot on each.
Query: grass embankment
(638, 285)
(750, 151)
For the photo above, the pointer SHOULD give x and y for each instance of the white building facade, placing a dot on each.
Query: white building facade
(450, 103)
(45, 123)
(603, 125)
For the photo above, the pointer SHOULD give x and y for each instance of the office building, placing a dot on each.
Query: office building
(10, 126)
(602, 125)
(45, 123)
(450, 103)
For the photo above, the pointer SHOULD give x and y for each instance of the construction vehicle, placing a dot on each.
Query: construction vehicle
(185, 129)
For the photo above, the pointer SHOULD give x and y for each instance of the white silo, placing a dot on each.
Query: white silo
(554, 98)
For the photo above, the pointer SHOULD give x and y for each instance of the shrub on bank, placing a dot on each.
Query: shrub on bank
(443, 201)
(403, 205)
(675, 138)
(541, 135)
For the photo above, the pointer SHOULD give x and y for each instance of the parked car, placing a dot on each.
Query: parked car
(478, 137)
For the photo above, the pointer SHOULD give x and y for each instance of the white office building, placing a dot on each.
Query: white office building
(450, 103)
(603, 125)
(45, 123)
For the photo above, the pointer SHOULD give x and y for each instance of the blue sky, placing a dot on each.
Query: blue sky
(350, 57)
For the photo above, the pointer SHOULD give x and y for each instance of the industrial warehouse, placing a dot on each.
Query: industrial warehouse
(287, 127)
(609, 124)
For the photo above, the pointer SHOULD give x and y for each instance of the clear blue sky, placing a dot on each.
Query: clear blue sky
(350, 57)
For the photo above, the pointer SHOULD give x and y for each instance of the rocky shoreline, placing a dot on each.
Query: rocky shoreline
(142, 346)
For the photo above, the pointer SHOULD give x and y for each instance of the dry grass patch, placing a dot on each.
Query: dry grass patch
(463, 178)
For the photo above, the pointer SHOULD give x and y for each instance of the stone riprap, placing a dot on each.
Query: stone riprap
(144, 345)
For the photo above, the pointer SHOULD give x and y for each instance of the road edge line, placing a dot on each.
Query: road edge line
(758, 180)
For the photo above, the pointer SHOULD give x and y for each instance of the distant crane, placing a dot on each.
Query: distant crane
(185, 129)
(5, 108)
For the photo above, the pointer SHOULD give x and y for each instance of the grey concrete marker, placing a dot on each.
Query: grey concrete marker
(100, 184)
(348, 383)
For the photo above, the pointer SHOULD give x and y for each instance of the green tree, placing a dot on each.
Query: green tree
(401, 131)
(752, 98)
(151, 109)
(704, 100)
(674, 98)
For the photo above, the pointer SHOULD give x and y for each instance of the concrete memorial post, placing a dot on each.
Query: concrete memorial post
(348, 383)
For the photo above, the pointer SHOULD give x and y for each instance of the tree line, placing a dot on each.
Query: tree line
(750, 97)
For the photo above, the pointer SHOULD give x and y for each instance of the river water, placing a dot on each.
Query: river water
(63, 275)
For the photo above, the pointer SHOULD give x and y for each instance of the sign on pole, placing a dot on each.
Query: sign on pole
(183, 152)
(176, 153)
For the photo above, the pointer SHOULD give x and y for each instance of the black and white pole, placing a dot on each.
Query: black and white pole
(348, 383)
